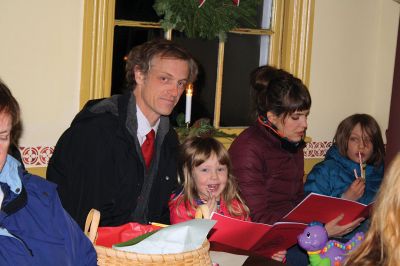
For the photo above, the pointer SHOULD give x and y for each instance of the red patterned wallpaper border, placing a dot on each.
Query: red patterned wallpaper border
(39, 156)
(317, 149)
(36, 156)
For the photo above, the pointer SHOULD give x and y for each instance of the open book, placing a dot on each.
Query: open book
(236, 236)
(233, 235)
(321, 208)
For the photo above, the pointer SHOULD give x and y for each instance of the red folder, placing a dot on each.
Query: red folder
(321, 208)
(233, 235)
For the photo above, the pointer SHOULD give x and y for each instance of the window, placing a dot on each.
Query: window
(282, 39)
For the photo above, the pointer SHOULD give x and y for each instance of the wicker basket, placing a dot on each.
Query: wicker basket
(111, 257)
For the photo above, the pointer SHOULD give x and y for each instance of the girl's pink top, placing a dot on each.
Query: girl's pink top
(178, 213)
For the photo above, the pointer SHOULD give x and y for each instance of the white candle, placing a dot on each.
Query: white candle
(189, 93)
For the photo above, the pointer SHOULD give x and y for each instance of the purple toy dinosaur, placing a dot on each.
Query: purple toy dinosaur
(322, 252)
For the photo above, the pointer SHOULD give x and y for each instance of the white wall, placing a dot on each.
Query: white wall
(40, 61)
(352, 62)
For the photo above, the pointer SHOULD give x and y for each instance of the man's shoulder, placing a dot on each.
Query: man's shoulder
(100, 121)
(91, 130)
(89, 135)
(97, 112)
(106, 116)
(94, 120)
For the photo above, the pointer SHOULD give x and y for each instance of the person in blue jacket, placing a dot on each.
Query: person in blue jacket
(34, 227)
(353, 166)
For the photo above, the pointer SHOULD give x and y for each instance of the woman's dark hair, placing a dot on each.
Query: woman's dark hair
(9, 105)
(279, 92)
(370, 127)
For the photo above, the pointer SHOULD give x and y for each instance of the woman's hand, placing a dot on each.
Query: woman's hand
(335, 230)
(279, 256)
(355, 190)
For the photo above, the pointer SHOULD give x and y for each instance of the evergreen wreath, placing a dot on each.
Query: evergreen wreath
(206, 19)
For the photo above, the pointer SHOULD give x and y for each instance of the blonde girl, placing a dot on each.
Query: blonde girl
(205, 170)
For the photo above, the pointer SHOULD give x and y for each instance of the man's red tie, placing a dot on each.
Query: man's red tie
(148, 147)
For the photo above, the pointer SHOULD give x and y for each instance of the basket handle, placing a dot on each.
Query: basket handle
(202, 212)
(91, 224)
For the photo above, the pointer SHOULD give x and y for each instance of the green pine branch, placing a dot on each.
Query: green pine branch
(201, 128)
(213, 20)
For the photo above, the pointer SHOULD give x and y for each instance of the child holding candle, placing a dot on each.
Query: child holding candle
(353, 166)
(357, 144)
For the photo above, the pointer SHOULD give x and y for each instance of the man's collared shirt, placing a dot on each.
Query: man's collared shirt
(144, 126)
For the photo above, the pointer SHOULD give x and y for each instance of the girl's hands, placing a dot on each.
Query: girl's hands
(279, 256)
(355, 190)
(335, 230)
(211, 202)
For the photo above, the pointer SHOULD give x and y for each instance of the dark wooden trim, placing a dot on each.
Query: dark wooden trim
(393, 131)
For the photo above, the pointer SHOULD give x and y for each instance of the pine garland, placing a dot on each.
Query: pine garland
(202, 127)
(213, 19)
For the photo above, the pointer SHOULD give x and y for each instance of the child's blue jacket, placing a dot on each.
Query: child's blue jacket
(334, 175)
(34, 227)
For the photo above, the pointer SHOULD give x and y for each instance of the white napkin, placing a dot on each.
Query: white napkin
(173, 239)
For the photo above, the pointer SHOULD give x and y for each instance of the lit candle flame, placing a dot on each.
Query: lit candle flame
(189, 93)
(189, 90)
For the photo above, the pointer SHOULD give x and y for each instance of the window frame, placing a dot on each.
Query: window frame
(290, 46)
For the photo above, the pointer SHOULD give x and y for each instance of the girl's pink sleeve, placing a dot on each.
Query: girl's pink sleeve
(178, 213)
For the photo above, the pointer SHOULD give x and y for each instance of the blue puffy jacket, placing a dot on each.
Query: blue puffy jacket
(34, 227)
(334, 175)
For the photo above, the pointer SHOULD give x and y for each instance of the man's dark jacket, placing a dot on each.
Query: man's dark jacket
(97, 163)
